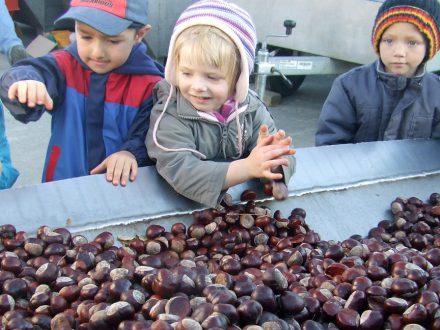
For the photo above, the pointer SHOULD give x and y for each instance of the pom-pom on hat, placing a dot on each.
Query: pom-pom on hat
(424, 14)
(110, 17)
(229, 18)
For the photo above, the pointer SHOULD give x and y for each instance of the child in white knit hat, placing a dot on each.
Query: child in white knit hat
(208, 131)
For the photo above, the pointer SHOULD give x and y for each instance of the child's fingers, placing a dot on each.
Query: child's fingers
(12, 91)
(100, 168)
(268, 174)
(134, 171)
(265, 141)
(264, 131)
(286, 141)
(22, 92)
(31, 89)
(48, 102)
(43, 97)
(275, 150)
(280, 135)
(274, 163)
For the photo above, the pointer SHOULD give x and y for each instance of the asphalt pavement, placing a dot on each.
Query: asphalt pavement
(296, 114)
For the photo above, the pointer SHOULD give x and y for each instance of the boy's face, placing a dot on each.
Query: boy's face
(103, 53)
(205, 86)
(402, 48)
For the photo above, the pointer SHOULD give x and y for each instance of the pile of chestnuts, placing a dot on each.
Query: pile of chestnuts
(239, 266)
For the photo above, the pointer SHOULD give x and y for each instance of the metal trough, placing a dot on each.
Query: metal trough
(345, 190)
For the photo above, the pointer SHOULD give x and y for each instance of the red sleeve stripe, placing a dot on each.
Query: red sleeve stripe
(75, 75)
(131, 90)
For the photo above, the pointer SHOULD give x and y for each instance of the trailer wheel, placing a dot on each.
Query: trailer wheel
(278, 85)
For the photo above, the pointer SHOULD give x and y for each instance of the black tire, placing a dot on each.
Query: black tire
(278, 85)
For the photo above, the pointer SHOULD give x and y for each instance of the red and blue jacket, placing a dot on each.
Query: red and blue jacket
(94, 115)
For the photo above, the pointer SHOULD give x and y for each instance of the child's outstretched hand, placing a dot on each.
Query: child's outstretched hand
(121, 167)
(278, 189)
(30, 92)
(266, 156)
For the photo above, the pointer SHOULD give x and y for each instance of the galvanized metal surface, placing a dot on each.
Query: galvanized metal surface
(345, 190)
(338, 29)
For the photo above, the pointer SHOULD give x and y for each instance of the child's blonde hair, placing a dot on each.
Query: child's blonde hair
(211, 46)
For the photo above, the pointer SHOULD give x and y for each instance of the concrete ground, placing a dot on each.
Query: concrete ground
(296, 114)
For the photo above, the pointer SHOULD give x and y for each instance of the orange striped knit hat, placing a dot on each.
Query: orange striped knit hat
(424, 14)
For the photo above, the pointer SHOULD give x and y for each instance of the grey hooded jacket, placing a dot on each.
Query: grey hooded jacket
(368, 104)
(182, 127)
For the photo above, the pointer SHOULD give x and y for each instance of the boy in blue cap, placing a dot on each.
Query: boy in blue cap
(98, 91)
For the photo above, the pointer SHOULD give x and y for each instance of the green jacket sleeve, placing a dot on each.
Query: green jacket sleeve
(197, 179)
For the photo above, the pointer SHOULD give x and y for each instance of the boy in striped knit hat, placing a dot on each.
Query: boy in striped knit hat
(394, 97)
(208, 131)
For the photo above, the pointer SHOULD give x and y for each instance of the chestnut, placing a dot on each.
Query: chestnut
(99, 321)
(135, 298)
(7, 303)
(58, 304)
(165, 283)
(11, 264)
(41, 321)
(157, 309)
(16, 287)
(273, 278)
(290, 303)
(20, 323)
(348, 319)
(266, 297)
(38, 299)
(371, 319)
(117, 287)
(70, 293)
(105, 239)
(188, 324)
(88, 291)
(415, 313)
(404, 287)
(7, 231)
(249, 311)
(47, 273)
(160, 325)
(202, 311)
(154, 231)
(248, 195)
(179, 306)
(119, 311)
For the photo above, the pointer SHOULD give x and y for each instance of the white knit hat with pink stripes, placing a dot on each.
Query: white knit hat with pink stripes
(232, 20)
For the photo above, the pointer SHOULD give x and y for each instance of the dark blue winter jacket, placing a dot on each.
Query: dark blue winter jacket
(94, 115)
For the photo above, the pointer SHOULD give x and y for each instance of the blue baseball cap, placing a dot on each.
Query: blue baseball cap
(110, 17)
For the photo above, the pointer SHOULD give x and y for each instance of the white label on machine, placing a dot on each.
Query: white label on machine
(286, 64)
(297, 65)
(305, 65)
